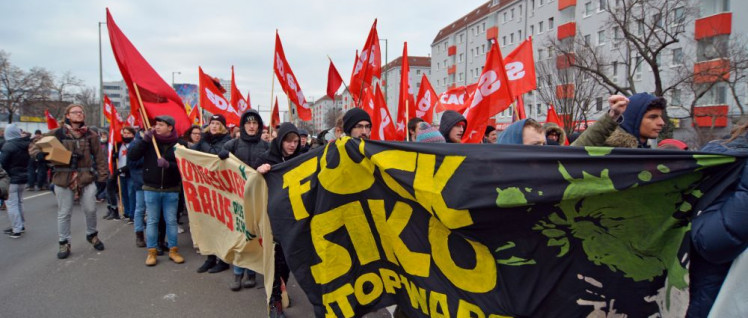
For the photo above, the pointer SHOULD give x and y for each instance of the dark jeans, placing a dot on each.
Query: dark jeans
(37, 174)
(281, 272)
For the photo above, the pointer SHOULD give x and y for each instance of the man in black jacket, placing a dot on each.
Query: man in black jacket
(14, 158)
(161, 184)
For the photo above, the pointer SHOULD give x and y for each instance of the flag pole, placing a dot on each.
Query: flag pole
(407, 105)
(144, 118)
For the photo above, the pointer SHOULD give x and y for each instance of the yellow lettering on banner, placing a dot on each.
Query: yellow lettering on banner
(395, 159)
(362, 296)
(292, 181)
(336, 260)
(416, 294)
(498, 316)
(438, 305)
(480, 279)
(469, 310)
(428, 188)
(348, 177)
(339, 296)
(390, 280)
(389, 229)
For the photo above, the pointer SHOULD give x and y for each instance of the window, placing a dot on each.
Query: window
(639, 27)
(540, 55)
(657, 20)
(541, 2)
(720, 96)
(460, 76)
(658, 60)
(588, 9)
(601, 37)
(599, 104)
(532, 29)
(483, 49)
(483, 27)
(638, 70)
(503, 40)
(550, 52)
(532, 5)
(550, 23)
(675, 97)
(519, 35)
(461, 38)
(512, 11)
(617, 33)
(677, 56)
(540, 27)
(511, 38)
(538, 110)
(602, 5)
(505, 17)
(438, 66)
(461, 56)
(471, 52)
(679, 15)
(587, 39)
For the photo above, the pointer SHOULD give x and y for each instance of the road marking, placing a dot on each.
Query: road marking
(37, 195)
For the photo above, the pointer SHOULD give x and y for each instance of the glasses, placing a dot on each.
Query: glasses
(195, 133)
(359, 126)
(76, 112)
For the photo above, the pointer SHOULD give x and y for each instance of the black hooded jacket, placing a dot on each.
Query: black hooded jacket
(274, 155)
(248, 148)
(15, 159)
(210, 143)
(450, 118)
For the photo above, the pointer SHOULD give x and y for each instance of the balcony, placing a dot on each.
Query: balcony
(565, 91)
(710, 116)
(452, 50)
(713, 25)
(452, 69)
(711, 71)
(563, 4)
(565, 61)
(492, 33)
(566, 30)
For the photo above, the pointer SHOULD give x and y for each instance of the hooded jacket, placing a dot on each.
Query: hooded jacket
(450, 118)
(210, 143)
(625, 132)
(248, 148)
(274, 155)
(513, 134)
(549, 127)
(15, 155)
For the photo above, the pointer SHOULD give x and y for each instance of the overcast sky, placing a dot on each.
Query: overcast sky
(179, 36)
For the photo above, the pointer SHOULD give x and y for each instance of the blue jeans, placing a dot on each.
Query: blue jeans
(240, 270)
(137, 201)
(127, 204)
(157, 203)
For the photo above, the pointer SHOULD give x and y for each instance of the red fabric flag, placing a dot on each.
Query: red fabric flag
(212, 100)
(426, 101)
(552, 117)
(457, 99)
(158, 97)
(51, 121)
(237, 100)
(382, 126)
(406, 107)
(519, 111)
(249, 103)
(520, 69)
(368, 103)
(275, 117)
(368, 65)
(107, 108)
(492, 95)
(134, 121)
(333, 80)
(115, 136)
(288, 81)
(195, 115)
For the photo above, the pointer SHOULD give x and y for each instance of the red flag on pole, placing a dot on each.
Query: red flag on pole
(288, 81)
(552, 117)
(115, 135)
(406, 106)
(158, 97)
(519, 111)
(426, 101)
(51, 121)
(333, 80)
(212, 100)
(107, 107)
(383, 128)
(368, 65)
(457, 99)
(520, 69)
(275, 117)
(237, 100)
(492, 95)
(195, 115)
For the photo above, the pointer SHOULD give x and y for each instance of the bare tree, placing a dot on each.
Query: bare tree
(18, 87)
(331, 116)
(88, 97)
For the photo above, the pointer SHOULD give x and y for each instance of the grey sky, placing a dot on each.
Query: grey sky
(179, 36)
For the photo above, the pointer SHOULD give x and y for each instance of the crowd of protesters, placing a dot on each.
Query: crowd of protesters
(144, 187)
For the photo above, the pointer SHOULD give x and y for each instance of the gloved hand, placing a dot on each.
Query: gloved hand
(40, 156)
(123, 171)
(223, 154)
(163, 163)
(148, 135)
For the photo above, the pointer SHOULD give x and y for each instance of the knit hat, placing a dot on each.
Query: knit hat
(489, 129)
(219, 118)
(672, 142)
(429, 134)
(303, 132)
(166, 119)
(352, 117)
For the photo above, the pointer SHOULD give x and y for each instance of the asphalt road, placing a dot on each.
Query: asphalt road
(114, 282)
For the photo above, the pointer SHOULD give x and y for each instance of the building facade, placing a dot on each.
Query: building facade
(391, 73)
(119, 95)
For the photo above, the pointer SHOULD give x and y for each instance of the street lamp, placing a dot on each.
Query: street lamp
(386, 49)
(172, 78)
(101, 81)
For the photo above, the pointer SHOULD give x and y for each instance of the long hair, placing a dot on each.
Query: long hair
(223, 130)
(188, 133)
(738, 131)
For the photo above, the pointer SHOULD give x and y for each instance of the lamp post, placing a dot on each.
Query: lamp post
(101, 81)
(172, 78)
(386, 49)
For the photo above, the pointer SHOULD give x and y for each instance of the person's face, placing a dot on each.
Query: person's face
(493, 136)
(531, 136)
(273, 134)
(290, 143)
(362, 130)
(303, 140)
(252, 126)
(195, 135)
(652, 124)
(76, 115)
(553, 136)
(214, 127)
(162, 128)
(127, 134)
(455, 134)
(265, 135)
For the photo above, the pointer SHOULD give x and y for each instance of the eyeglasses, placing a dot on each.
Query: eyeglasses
(359, 126)
(195, 133)
(76, 112)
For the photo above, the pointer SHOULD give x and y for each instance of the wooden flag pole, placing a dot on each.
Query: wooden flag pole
(144, 119)
(272, 93)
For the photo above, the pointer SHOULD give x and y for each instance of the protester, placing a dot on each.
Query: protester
(122, 171)
(248, 148)
(338, 129)
(215, 136)
(554, 135)
(629, 122)
(265, 134)
(76, 179)
(284, 148)
(192, 135)
(491, 135)
(37, 169)
(412, 125)
(14, 158)
(137, 197)
(672, 144)
(162, 184)
(719, 234)
(235, 131)
(357, 123)
(304, 135)
(523, 132)
(428, 134)
(452, 126)
(4, 188)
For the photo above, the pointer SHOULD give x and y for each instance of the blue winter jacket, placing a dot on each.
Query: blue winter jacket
(719, 233)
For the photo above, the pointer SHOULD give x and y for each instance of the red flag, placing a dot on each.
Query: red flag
(406, 107)
(368, 65)
(195, 115)
(134, 121)
(249, 103)
(288, 81)
(275, 117)
(520, 69)
(51, 121)
(115, 135)
(492, 95)
(107, 108)
(237, 100)
(158, 97)
(427, 98)
(212, 100)
(457, 99)
(333, 80)
(552, 117)
(382, 126)
(519, 111)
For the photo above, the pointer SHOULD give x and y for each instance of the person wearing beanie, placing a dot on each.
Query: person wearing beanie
(76, 178)
(490, 136)
(425, 133)
(14, 159)
(161, 184)
(357, 123)
(304, 135)
(452, 126)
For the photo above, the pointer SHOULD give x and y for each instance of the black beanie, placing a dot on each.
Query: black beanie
(219, 118)
(489, 129)
(352, 117)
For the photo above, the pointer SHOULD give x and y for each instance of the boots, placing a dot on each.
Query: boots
(251, 281)
(150, 260)
(174, 255)
(209, 263)
(139, 239)
(220, 267)
(276, 310)
(64, 251)
(93, 238)
(237, 284)
(108, 215)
